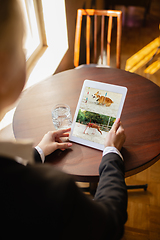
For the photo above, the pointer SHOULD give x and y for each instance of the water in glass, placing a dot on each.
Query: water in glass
(61, 116)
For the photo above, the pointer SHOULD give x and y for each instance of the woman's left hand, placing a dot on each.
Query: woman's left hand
(52, 141)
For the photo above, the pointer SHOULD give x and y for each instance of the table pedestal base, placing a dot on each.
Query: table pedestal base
(138, 187)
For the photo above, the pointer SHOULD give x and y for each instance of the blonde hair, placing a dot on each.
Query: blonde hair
(11, 25)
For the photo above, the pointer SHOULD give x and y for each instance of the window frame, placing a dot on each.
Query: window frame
(40, 49)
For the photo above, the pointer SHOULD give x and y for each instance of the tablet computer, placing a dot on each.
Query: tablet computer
(98, 107)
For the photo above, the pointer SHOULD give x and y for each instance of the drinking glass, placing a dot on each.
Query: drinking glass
(61, 116)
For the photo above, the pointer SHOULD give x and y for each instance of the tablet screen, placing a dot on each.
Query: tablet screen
(97, 113)
(98, 107)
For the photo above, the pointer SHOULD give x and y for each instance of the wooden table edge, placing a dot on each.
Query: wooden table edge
(142, 167)
(95, 179)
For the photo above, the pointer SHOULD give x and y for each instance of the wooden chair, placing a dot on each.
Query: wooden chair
(89, 13)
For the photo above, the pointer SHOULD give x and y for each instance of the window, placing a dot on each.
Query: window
(46, 39)
(55, 39)
(32, 39)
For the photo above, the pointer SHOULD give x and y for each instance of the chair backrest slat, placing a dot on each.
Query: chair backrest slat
(77, 38)
(109, 39)
(102, 38)
(119, 33)
(92, 12)
(95, 38)
(88, 39)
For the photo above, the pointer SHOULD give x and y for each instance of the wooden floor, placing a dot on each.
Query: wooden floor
(144, 206)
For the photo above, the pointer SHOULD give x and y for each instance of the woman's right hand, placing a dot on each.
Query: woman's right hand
(116, 136)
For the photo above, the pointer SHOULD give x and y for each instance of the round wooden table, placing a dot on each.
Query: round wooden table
(140, 118)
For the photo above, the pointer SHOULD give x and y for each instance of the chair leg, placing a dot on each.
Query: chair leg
(91, 188)
(144, 186)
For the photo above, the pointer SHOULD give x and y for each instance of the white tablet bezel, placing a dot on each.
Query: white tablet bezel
(97, 86)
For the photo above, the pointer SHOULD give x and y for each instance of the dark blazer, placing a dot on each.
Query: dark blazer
(40, 201)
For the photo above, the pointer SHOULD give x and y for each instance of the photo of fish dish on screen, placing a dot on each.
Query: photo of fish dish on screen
(96, 115)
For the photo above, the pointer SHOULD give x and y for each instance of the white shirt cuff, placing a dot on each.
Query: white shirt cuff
(112, 150)
(41, 153)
